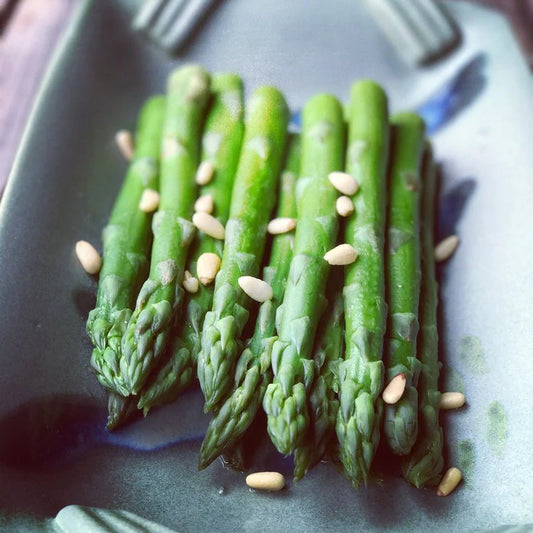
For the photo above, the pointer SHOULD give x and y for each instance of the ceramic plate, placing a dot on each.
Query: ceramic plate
(53, 448)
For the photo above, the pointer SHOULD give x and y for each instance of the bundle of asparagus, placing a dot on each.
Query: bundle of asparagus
(333, 356)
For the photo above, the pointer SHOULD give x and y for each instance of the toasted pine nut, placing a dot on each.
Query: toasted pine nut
(207, 267)
(452, 400)
(344, 206)
(149, 201)
(205, 173)
(446, 248)
(209, 224)
(265, 481)
(281, 225)
(88, 256)
(190, 283)
(255, 288)
(395, 389)
(124, 141)
(449, 481)
(343, 254)
(343, 182)
(204, 204)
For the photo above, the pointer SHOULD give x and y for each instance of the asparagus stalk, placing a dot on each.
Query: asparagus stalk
(425, 463)
(361, 373)
(252, 201)
(222, 139)
(253, 372)
(322, 152)
(403, 277)
(120, 409)
(147, 330)
(323, 402)
(126, 245)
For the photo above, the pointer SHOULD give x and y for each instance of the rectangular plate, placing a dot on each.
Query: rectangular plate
(53, 449)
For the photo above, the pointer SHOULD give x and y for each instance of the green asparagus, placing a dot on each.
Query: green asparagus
(251, 203)
(120, 409)
(403, 277)
(285, 399)
(425, 463)
(126, 244)
(222, 140)
(323, 402)
(147, 330)
(253, 372)
(361, 374)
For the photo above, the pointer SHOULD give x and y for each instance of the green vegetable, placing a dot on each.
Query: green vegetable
(120, 409)
(285, 399)
(147, 331)
(222, 139)
(126, 245)
(361, 374)
(403, 277)
(323, 402)
(253, 372)
(425, 463)
(251, 204)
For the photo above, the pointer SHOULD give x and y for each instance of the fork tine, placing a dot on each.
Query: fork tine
(440, 20)
(192, 12)
(418, 29)
(396, 28)
(167, 17)
(147, 13)
(421, 24)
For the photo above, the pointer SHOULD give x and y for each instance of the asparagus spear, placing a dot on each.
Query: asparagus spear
(361, 374)
(252, 201)
(304, 300)
(126, 243)
(222, 141)
(424, 464)
(253, 372)
(403, 277)
(120, 409)
(323, 402)
(159, 297)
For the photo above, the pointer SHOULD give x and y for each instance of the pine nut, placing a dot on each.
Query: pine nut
(204, 204)
(452, 400)
(344, 206)
(343, 254)
(209, 224)
(394, 390)
(88, 256)
(265, 481)
(445, 249)
(449, 482)
(205, 173)
(124, 141)
(190, 283)
(207, 267)
(255, 288)
(149, 201)
(343, 182)
(281, 225)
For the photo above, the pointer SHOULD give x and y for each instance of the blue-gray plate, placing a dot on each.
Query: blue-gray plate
(54, 450)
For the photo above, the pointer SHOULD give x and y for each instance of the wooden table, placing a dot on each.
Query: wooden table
(30, 29)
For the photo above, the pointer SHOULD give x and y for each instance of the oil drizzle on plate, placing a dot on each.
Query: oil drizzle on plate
(496, 428)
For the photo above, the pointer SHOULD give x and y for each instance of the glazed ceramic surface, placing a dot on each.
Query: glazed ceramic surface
(54, 450)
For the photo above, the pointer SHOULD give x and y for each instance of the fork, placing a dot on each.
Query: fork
(170, 22)
(421, 31)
